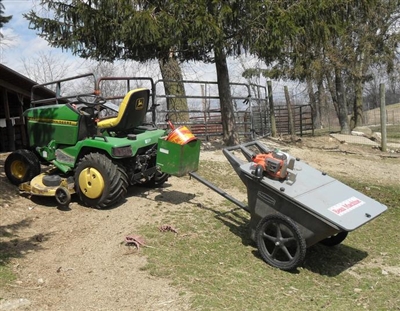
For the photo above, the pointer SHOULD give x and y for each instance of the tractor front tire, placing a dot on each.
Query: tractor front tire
(21, 166)
(99, 182)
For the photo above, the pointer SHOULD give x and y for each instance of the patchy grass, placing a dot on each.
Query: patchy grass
(392, 132)
(6, 274)
(213, 258)
(13, 247)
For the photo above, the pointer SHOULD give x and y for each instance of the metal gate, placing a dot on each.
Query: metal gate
(203, 115)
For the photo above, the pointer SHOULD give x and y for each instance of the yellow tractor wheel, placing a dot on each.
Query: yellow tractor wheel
(21, 166)
(99, 182)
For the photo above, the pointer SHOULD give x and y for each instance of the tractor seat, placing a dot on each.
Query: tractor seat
(131, 114)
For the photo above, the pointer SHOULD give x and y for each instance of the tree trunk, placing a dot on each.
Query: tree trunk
(313, 103)
(271, 109)
(358, 103)
(361, 69)
(230, 135)
(177, 105)
(322, 105)
(332, 91)
(342, 105)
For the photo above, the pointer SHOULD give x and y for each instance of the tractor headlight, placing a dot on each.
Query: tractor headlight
(122, 152)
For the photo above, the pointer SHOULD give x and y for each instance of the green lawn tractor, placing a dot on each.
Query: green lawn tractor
(97, 158)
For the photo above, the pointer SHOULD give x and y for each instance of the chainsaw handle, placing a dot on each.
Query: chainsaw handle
(172, 127)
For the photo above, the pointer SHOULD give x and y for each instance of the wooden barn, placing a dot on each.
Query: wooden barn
(15, 97)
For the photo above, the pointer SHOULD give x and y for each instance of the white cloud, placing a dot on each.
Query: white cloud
(8, 38)
(21, 43)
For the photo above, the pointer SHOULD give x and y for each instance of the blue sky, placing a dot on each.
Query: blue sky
(19, 41)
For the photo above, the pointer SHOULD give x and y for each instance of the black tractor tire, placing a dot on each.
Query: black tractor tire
(157, 180)
(51, 180)
(99, 182)
(21, 166)
(280, 242)
(335, 239)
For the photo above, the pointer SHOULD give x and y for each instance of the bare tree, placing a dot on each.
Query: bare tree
(45, 67)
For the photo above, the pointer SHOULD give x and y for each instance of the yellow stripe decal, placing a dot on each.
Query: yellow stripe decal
(44, 120)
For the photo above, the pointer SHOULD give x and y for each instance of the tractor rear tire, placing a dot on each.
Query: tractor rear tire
(21, 166)
(157, 180)
(99, 182)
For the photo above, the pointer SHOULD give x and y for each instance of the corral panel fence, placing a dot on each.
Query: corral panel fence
(302, 119)
(204, 112)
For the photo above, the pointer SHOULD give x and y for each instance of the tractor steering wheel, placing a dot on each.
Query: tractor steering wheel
(96, 100)
(92, 107)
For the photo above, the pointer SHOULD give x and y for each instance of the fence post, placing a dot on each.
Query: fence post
(290, 113)
(301, 120)
(271, 109)
(383, 116)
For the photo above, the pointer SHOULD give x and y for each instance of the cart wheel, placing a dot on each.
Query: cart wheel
(63, 197)
(280, 242)
(335, 239)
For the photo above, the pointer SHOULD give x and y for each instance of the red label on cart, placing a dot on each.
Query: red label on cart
(346, 206)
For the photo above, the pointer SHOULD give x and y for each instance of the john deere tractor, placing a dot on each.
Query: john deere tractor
(97, 158)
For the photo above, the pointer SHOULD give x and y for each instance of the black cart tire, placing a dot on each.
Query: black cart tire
(21, 166)
(280, 242)
(99, 182)
(335, 239)
(63, 196)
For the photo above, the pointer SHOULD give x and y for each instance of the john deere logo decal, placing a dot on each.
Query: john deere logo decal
(139, 104)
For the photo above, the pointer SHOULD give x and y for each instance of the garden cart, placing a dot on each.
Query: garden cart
(292, 205)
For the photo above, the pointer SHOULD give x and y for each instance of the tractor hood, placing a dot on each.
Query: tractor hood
(59, 123)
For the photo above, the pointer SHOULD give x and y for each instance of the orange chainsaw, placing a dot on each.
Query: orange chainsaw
(274, 163)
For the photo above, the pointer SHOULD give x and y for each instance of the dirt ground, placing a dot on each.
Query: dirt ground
(76, 258)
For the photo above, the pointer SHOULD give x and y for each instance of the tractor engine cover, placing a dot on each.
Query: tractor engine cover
(273, 163)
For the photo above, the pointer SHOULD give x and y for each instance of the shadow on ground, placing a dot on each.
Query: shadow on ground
(329, 261)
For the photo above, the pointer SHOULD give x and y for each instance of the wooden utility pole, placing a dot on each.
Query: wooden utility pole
(383, 117)
(292, 129)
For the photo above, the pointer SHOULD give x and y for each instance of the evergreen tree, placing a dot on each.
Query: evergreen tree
(3, 19)
(169, 31)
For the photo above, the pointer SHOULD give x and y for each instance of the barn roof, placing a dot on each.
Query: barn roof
(16, 82)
